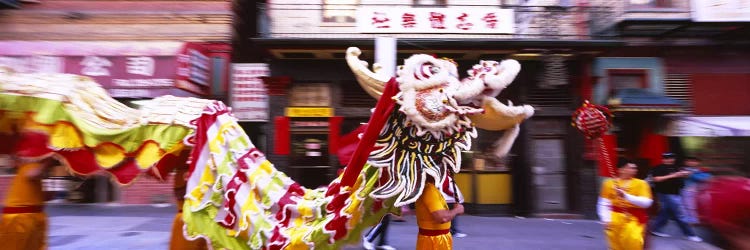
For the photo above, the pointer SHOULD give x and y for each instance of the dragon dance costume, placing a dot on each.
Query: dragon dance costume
(626, 220)
(72, 118)
(424, 118)
(234, 197)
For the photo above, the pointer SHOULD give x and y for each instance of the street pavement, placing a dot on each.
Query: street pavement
(112, 226)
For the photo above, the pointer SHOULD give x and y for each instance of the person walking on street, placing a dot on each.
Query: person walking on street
(450, 193)
(692, 182)
(669, 181)
(378, 231)
(622, 208)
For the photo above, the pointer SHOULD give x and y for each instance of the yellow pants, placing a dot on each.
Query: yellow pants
(178, 241)
(439, 242)
(24, 231)
(625, 232)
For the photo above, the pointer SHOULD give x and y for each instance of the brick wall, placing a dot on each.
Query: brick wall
(146, 190)
(206, 20)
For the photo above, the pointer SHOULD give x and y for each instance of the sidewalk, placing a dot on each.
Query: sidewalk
(92, 227)
(530, 233)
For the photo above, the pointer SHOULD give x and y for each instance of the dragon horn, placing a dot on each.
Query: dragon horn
(498, 116)
(370, 81)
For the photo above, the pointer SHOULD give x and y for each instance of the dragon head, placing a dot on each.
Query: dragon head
(436, 117)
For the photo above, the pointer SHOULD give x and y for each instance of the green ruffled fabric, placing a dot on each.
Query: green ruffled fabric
(46, 111)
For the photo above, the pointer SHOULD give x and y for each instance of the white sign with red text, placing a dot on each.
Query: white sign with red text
(435, 20)
(248, 95)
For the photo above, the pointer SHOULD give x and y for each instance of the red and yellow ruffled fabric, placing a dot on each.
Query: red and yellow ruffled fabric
(237, 199)
(74, 118)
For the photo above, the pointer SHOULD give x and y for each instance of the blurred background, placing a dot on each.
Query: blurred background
(676, 74)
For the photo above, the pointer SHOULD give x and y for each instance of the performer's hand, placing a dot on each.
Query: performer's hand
(679, 174)
(459, 209)
(36, 173)
(40, 172)
(620, 192)
(684, 173)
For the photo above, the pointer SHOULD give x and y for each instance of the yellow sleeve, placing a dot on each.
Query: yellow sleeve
(432, 199)
(642, 189)
(608, 190)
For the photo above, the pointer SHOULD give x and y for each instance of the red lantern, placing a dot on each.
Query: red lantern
(592, 120)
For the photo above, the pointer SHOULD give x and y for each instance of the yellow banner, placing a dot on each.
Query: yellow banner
(308, 112)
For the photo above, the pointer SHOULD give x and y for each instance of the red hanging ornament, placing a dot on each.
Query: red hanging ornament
(592, 120)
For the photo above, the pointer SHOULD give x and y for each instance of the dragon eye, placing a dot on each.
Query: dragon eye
(425, 71)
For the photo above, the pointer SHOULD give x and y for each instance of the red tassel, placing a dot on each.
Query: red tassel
(282, 137)
(607, 159)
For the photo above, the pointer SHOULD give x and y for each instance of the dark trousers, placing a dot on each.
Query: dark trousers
(454, 222)
(380, 231)
(671, 208)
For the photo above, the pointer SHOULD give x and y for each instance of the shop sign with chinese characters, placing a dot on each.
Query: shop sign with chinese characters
(122, 76)
(124, 69)
(194, 66)
(435, 20)
(249, 97)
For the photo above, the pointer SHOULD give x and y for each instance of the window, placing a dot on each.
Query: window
(627, 78)
(638, 4)
(352, 95)
(340, 11)
(310, 95)
(429, 3)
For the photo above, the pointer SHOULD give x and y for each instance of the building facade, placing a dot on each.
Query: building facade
(686, 59)
(555, 41)
(135, 49)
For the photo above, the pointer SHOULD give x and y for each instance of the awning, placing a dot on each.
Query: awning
(675, 28)
(709, 126)
(642, 100)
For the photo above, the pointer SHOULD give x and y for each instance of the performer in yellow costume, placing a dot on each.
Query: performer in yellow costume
(24, 223)
(622, 207)
(434, 219)
(178, 241)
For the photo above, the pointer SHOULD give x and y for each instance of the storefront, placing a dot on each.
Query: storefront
(633, 89)
(717, 128)
(308, 134)
(721, 142)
